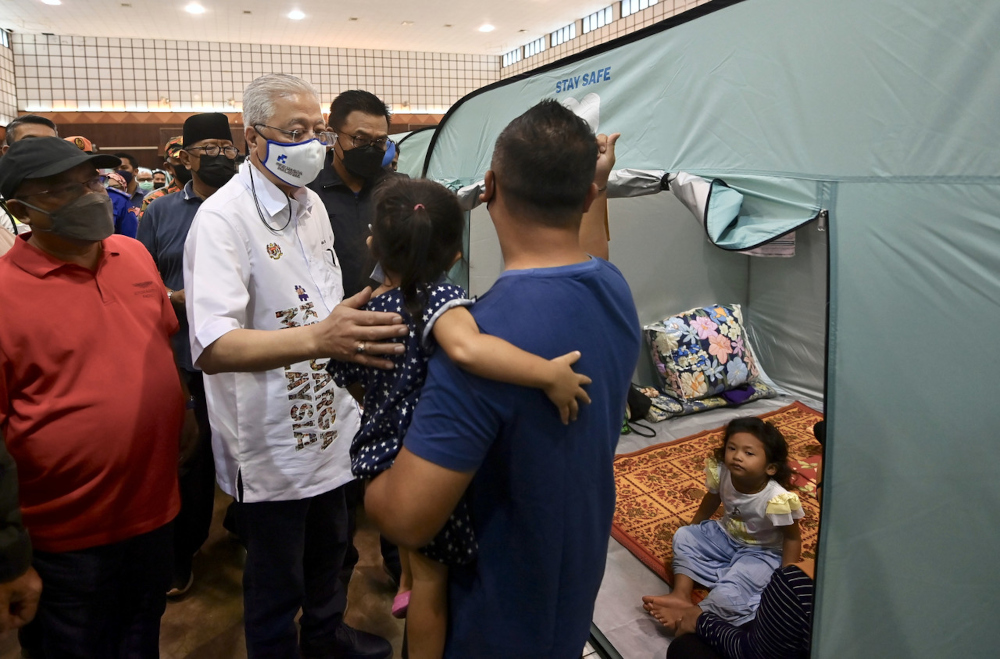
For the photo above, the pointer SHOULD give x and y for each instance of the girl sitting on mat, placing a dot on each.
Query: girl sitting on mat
(758, 533)
(416, 238)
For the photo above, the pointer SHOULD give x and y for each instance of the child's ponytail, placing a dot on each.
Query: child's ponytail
(416, 235)
(415, 271)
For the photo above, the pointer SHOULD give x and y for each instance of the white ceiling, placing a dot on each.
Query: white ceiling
(327, 22)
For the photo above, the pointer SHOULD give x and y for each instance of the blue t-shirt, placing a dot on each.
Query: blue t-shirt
(543, 495)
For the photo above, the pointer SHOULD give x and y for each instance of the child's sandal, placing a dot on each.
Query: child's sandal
(400, 604)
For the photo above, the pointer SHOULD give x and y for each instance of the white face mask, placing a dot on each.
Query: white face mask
(298, 163)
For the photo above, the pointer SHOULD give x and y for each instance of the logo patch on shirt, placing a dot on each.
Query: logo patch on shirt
(303, 296)
(274, 251)
(145, 289)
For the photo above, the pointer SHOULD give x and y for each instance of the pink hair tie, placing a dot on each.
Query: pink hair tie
(418, 207)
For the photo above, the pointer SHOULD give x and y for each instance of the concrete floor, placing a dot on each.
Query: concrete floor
(207, 623)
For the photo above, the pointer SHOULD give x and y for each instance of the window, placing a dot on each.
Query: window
(513, 57)
(630, 7)
(535, 47)
(5, 38)
(563, 34)
(599, 18)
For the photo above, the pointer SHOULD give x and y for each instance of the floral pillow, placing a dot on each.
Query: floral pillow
(701, 352)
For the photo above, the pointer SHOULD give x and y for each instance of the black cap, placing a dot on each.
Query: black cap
(206, 126)
(38, 157)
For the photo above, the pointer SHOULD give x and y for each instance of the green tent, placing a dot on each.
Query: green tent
(870, 131)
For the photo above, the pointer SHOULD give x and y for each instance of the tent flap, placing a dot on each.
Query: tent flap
(636, 182)
(745, 212)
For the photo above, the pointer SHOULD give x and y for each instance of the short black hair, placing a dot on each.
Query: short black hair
(357, 100)
(128, 156)
(545, 162)
(36, 119)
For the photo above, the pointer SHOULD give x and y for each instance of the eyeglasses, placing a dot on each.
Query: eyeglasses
(95, 184)
(325, 138)
(360, 142)
(213, 150)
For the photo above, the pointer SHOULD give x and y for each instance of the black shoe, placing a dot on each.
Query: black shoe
(355, 644)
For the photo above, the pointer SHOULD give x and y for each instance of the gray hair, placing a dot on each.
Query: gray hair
(260, 95)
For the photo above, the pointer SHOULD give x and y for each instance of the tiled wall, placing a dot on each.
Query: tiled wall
(101, 73)
(616, 28)
(8, 96)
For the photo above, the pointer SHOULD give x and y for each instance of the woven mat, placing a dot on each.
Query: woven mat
(660, 487)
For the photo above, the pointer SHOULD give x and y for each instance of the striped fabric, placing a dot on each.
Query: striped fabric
(781, 628)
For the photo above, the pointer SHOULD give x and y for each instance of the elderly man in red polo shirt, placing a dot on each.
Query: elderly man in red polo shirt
(91, 407)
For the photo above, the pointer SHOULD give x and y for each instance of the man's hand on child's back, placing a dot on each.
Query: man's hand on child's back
(352, 335)
(566, 386)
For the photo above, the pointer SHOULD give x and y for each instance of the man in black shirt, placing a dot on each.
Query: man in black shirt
(354, 166)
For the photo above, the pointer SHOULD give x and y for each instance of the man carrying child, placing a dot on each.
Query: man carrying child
(541, 494)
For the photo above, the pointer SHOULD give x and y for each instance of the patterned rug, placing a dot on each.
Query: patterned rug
(660, 487)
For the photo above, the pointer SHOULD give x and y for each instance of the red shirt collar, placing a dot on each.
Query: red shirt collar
(39, 264)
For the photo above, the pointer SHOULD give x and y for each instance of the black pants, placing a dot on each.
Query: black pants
(197, 485)
(295, 550)
(102, 603)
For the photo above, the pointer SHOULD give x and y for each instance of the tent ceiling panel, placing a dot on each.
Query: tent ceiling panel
(755, 88)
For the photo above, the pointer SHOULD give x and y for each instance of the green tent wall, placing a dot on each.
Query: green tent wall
(888, 113)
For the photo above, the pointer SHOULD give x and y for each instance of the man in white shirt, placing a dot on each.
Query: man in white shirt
(259, 258)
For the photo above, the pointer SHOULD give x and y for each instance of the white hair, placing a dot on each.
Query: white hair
(260, 95)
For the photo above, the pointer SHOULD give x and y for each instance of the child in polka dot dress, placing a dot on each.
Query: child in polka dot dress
(416, 238)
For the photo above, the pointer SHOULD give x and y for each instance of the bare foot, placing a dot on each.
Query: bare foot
(670, 600)
(668, 609)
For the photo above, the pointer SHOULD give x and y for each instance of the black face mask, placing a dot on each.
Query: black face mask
(215, 171)
(158, 184)
(364, 162)
(182, 174)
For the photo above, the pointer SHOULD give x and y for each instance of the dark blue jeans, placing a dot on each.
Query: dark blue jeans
(295, 550)
(104, 602)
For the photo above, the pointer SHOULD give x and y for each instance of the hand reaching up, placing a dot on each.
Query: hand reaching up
(605, 158)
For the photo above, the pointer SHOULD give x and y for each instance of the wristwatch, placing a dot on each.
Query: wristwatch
(170, 294)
